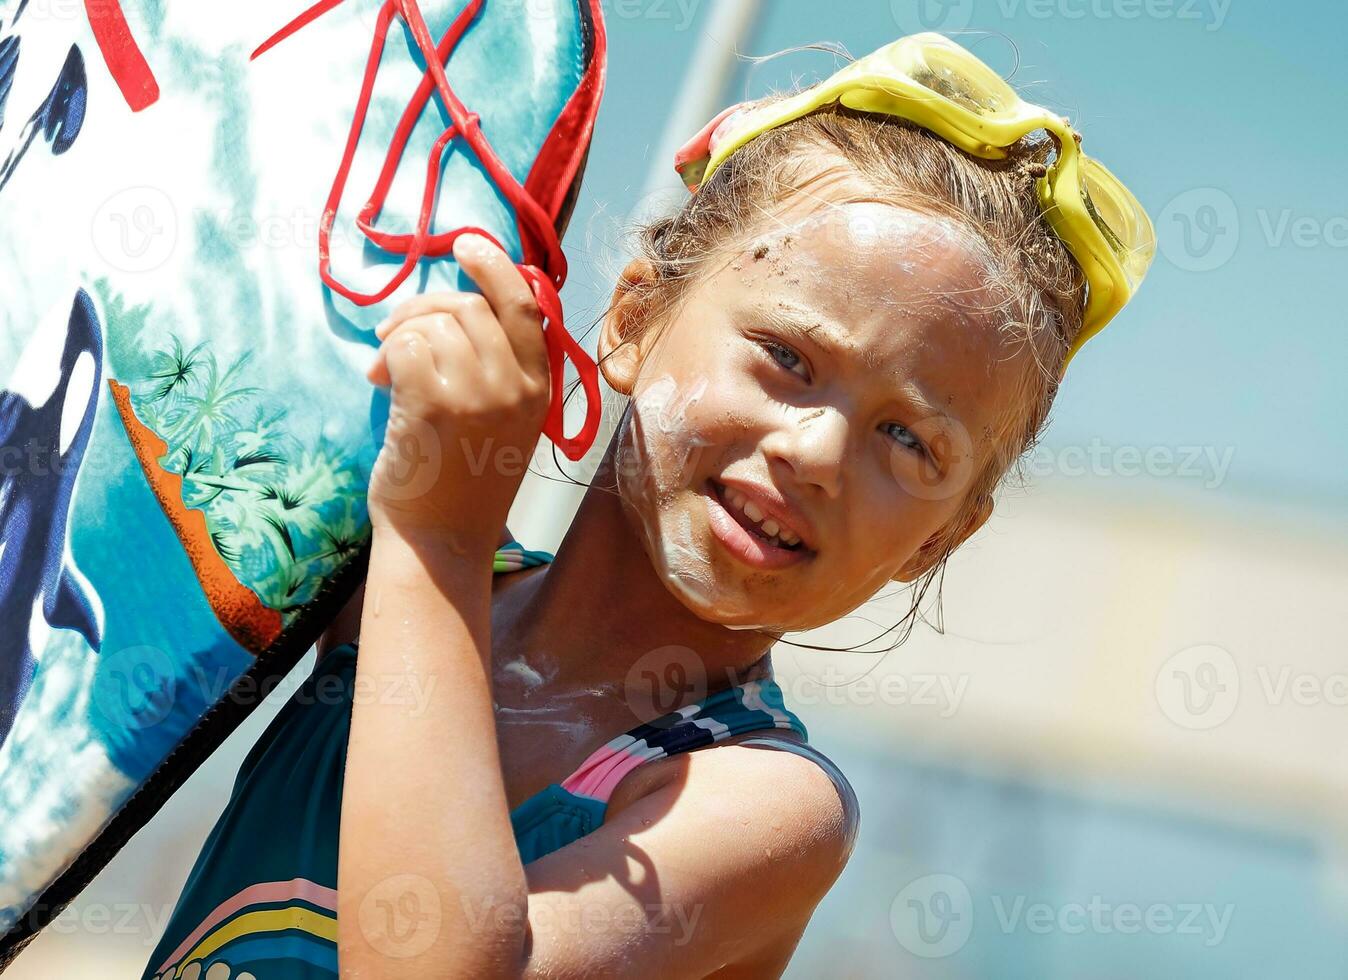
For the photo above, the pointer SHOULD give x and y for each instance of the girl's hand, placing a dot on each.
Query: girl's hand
(470, 386)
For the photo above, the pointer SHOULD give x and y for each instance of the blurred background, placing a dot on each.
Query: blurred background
(1124, 756)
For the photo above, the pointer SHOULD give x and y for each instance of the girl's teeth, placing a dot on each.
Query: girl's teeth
(770, 528)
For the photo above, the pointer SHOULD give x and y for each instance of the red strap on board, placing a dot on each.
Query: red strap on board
(544, 265)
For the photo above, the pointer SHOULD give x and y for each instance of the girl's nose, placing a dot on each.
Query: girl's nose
(812, 441)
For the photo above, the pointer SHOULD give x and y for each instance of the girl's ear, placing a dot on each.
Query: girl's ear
(621, 334)
(930, 552)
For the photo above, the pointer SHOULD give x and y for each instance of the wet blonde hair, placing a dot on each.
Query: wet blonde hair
(899, 163)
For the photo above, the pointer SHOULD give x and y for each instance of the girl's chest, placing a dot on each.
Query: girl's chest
(543, 734)
(540, 747)
(540, 744)
(546, 730)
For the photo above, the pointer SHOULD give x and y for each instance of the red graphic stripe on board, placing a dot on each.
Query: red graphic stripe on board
(122, 54)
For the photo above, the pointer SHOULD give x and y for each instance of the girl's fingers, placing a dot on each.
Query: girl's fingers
(425, 352)
(378, 371)
(431, 302)
(482, 329)
(409, 363)
(400, 319)
(418, 305)
(477, 317)
(501, 328)
(510, 297)
(443, 336)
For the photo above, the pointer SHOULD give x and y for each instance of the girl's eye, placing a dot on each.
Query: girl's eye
(906, 438)
(792, 359)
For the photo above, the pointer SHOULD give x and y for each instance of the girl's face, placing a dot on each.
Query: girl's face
(843, 375)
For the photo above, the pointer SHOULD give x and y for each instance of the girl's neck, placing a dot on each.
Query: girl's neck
(600, 618)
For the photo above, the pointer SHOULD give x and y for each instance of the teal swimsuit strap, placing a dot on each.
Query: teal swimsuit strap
(748, 707)
(513, 557)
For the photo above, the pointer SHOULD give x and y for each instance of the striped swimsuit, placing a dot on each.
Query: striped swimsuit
(261, 900)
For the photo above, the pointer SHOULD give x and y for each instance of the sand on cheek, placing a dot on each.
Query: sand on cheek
(659, 452)
(656, 458)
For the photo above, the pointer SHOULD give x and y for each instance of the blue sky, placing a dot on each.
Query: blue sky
(1226, 119)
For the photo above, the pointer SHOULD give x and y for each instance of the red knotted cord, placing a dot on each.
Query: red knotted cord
(544, 266)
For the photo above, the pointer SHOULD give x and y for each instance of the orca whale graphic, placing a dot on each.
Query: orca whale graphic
(58, 118)
(46, 417)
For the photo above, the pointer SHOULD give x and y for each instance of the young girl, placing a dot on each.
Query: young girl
(559, 766)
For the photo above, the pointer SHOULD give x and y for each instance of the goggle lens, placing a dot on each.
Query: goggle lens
(1121, 218)
(954, 74)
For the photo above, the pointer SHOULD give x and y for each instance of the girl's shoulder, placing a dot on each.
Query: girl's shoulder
(787, 804)
(796, 778)
(820, 776)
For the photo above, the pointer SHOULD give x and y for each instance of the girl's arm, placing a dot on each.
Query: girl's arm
(345, 626)
(719, 858)
(429, 880)
(706, 859)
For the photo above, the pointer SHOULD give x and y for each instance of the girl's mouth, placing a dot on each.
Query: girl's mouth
(744, 538)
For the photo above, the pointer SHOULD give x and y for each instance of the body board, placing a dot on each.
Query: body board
(187, 310)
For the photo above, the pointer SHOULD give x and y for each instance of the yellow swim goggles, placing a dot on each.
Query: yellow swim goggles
(934, 82)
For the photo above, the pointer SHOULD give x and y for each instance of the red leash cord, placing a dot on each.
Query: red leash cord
(538, 235)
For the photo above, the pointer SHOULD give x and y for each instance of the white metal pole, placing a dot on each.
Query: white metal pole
(729, 25)
(544, 507)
